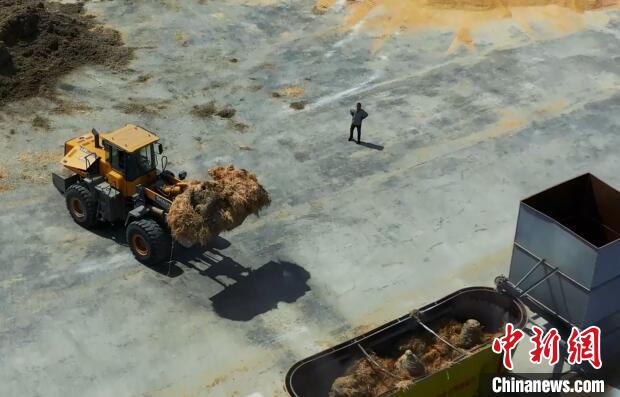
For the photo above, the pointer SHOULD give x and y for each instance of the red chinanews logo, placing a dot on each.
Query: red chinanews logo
(582, 346)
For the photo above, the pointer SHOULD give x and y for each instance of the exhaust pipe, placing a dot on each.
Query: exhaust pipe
(96, 135)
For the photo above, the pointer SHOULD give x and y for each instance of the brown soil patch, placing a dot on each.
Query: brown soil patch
(40, 41)
(298, 105)
(365, 379)
(41, 123)
(205, 209)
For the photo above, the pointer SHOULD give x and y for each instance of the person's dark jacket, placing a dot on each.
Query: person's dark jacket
(358, 116)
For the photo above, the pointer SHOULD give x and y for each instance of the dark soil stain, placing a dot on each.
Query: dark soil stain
(41, 41)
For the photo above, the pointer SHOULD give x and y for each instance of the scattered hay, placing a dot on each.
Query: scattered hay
(64, 107)
(298, 105)
(239, 126)
(41, 123)
(214, 85)
(183, 38)
(365, 379)
(227, 113)
(322, 6)
(416, 356)
(35, 167)
(143, 78)
(5, 185)
(204, 111)
(41, 41)
(205, 209)
(292, 91)
(210, 109)
(268, 66)
(142, 107)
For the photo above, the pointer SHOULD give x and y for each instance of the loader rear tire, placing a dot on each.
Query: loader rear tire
(150, 243)
(82, 205)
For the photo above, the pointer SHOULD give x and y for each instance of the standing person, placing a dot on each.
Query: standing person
(358, 114)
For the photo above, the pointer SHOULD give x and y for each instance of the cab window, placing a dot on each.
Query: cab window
(140, 162)
(116, 157)
(131, 165)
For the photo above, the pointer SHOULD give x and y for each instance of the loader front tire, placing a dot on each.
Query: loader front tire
(150, 243)
(81, 205)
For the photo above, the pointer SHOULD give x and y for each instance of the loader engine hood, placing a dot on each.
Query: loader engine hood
(80, 157)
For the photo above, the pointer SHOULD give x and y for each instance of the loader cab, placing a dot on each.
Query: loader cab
(131, 165)
(130, 158)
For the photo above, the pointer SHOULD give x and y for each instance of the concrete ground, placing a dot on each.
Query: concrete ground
(355, 236)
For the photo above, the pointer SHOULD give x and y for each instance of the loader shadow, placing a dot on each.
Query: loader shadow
(248, 292)
(116, 233)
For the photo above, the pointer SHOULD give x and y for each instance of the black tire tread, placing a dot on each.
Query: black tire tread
(89, 202)
(156, 236)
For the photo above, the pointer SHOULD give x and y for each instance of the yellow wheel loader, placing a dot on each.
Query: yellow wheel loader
(113, 177)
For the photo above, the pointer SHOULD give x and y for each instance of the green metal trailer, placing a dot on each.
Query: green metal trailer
(314, 376)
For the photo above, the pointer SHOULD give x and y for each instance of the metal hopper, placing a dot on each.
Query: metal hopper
(566, 255)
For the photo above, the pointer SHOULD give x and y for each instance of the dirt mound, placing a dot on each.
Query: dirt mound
(373, 376)
(40, 41)
(205, 209)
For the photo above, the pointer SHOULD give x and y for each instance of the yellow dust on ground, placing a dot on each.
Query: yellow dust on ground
(292, 91)
(321, 6)
(387, 17)
(260, 2)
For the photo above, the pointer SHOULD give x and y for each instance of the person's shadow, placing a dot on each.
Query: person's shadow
(250, 292)
(371, 145)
